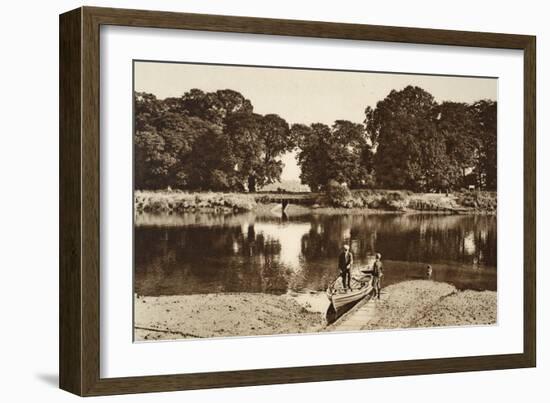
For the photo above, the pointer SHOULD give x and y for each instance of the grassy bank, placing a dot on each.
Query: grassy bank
(179, 202)
(403, 200)
(175, 201)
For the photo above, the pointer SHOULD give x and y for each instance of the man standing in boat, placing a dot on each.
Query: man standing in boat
(377, 274)
(345, 260)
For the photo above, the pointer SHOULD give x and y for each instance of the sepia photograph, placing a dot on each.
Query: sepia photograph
(271, 200)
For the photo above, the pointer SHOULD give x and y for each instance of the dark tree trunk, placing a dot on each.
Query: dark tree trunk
(251, 183)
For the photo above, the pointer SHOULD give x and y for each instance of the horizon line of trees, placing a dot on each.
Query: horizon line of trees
(215, 141)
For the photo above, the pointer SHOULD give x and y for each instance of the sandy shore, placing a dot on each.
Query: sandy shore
(410, 304)
(424, 303)
(225, 315)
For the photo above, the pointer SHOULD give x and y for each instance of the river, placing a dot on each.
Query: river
(205, 253)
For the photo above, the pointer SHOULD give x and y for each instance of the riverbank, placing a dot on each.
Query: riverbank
(424, 303)
(357, 201)
(226, 315)
(410, 304)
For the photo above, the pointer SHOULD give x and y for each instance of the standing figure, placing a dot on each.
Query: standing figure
(377, 274)
(345, 260)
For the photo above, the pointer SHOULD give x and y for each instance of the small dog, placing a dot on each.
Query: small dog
(429, 271)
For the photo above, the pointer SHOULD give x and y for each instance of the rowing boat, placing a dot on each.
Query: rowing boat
(342, 299)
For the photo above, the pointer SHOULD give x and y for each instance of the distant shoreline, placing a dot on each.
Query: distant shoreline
(360, 202)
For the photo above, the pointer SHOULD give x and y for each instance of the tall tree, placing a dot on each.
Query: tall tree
(257, 144)
(275, 139)
(339, 153)
(403, 131)
(244, 129)
(314, 153)
(456, 122)
(356, 163)
(208, 166)
(152, 162)
(485, 116)
(166, 153)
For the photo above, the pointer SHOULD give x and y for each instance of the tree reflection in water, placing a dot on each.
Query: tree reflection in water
(201, 253)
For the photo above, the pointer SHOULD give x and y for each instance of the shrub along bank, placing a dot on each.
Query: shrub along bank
(404, 200)
(179, 202)
(340, 197)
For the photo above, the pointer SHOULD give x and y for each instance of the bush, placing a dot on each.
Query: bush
(339, 195)
(164, 201)
(428, 205)
(486, 201)
(394, 201)
(382, 199)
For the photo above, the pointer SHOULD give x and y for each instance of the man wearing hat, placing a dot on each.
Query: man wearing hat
(345, 260)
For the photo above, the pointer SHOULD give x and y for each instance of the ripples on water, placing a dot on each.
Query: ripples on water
(201, 253)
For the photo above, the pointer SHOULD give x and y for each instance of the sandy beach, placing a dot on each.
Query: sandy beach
(410, 304)
(225, 315)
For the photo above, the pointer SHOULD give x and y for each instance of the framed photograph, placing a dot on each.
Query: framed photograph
(250, 201)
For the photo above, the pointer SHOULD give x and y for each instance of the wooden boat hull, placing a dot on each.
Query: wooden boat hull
(342, 300)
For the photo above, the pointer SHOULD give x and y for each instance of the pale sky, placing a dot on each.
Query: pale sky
(304, 96)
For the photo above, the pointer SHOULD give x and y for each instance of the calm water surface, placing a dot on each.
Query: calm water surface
(203, 253)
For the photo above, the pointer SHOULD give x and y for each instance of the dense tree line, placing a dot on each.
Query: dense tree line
(215, 141)
(422, 145)
(207, 141)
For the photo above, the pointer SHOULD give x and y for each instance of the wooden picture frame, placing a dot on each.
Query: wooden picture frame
(79, 346)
